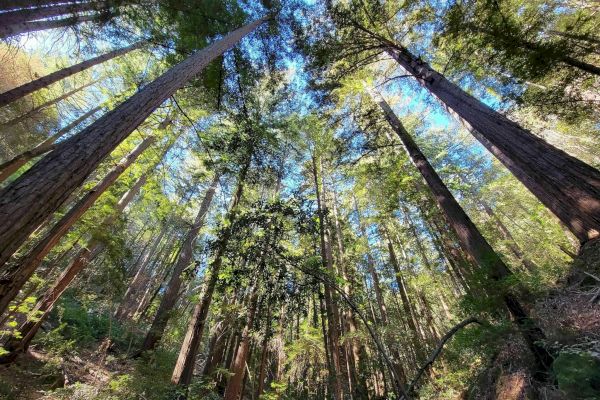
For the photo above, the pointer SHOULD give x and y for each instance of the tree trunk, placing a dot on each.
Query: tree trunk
(140, 279)
(14, 279)
(470, 238)
(43, 308)
(32, 14)
(45, 81)
(264, 352)
(16, 4)
(234, 386)
(184, 367)
(36, 26)
(41, 190)
(332, 316)
(10, 167)
(185, 258)
(567, 186)
(43, 106)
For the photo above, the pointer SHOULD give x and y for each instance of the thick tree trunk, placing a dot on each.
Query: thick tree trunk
(13, 280)
(10, 167)
(567, 186)
(32, 14)
(184, 367)
(470, 238)
(40, 191)
(45, 81)
(43, 106)
(234, 387)
(36, 26)
(43, 307)
(183, 262)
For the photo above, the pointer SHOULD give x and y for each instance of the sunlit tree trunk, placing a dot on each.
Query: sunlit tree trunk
(43, 106)
(470, 238)
(41, 190)
(11, 166)
(45, 81)
(234, 387)
(185, 258)
(36, 26)
(184, 367)
(17, 4)
(332, 316)
(32, 14)
(567, 186)
(14, 279)
(45, 305)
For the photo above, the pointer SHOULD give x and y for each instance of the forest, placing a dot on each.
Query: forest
(299, 199)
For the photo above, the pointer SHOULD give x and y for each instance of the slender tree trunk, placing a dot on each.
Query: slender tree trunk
(43, 308)
(470, 238)
(264, 353)
(10, 167)
(140, 279)
(45, 81)
(43, 106)
(32, 14)
(17, 4)
(41, 190)
(14, 279)
(36, 26)
(234, 387)
(184, 367)
(185, 257)
(332, 317)
(567, 186)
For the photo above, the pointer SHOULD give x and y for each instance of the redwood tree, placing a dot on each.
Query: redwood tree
(39, 192)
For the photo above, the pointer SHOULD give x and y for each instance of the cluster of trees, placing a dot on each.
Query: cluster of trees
(299, 200)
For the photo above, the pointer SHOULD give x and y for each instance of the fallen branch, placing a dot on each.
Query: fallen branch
(439, 348)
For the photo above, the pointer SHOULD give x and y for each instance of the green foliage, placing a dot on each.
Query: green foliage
(578, 374)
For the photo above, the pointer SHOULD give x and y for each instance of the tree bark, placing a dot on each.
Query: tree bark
(45, 81)
(184, 367)
(234, 387)
(10, 167)
(32, 14)
(43, 106)
(567, 186)
(43, 307)
(17, 4)
(13, 280)
(470, 238)
(36, 26)
(41, 190)
(332, 317)
(183, 261)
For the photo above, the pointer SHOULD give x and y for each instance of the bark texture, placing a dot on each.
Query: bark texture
(13, 279)
(44, 306)
(569, 187)
(40, 191)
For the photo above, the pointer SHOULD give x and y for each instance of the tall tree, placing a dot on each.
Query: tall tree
(41, 190)
(186, 253)
(45, 81)
(14, 278)
(470, 238)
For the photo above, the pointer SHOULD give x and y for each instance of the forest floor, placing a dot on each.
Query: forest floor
(569, 315)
